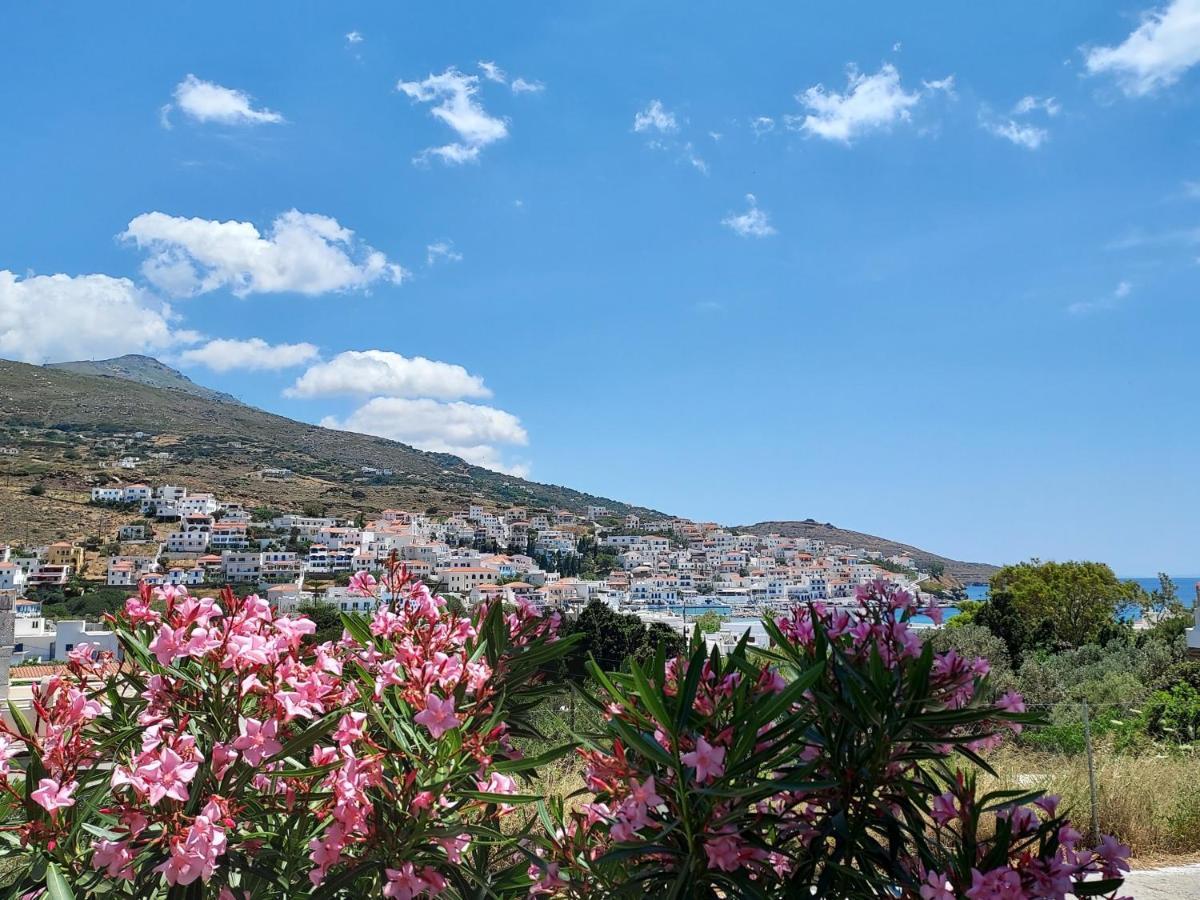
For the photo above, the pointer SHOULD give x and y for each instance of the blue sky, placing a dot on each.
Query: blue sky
(924, 270)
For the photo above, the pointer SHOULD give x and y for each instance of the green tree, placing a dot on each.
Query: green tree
(1066, 604)
(709, 622)
(613, 637)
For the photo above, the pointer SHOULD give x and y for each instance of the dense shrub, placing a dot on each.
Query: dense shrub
(821, 766)
(229, 758)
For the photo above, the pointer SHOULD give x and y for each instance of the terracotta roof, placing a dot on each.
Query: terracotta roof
(38, 672)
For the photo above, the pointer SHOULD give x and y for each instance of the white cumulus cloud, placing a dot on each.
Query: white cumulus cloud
(870, 102)
(1156, 53)
(301, 252)
(365, 372)
(250, 355)
(752, 223)
(655, 118)
(354, 37)
(458, 107)
(52, 318)
(205, 101)
(467, 430)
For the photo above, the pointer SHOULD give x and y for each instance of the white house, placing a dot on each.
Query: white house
(188, 541)
(12, 577)
(131, 533)
(128, 570)
(240, 566)
(37, 638)
(227, 535)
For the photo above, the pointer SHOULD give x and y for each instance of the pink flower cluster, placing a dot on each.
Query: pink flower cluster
(241, 728)
(1045, 858)
(762, 808)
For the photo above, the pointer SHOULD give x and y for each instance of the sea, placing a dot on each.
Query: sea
(1186, 587)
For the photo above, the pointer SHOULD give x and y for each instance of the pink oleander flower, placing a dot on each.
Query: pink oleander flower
(114, 857)
(405, 883)
(9, 747)
(645, 794)
(363, 584)
(936, 887)
(194, 853)
(167, 645)
(350, 728)
(1115, 856)
(998, 884)
(51, 795)
(723, 853)
(547, 878)
(499, 783)
(944, 808)
(707, 760)
(438, 716)
(257, 741)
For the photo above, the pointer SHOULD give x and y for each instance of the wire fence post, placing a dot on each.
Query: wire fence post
(1087, 739)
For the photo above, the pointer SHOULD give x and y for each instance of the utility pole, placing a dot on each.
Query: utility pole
(1087, 739)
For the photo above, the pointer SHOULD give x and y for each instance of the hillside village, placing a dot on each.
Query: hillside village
(666, 569)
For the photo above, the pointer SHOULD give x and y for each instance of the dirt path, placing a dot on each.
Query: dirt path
(1172, 883)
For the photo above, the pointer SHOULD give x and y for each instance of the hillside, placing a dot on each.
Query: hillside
(70, 428)
(144, 370)
(966, 572)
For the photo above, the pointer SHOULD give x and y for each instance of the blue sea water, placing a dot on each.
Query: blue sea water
(1185, 586)
(681, 610)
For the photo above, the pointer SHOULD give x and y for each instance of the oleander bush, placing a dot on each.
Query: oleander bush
(229, 757)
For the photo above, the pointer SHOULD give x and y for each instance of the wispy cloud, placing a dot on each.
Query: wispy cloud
(1029, 103)
(869, 103)
(1016, 127)
(1023, 135)
(761, 125)
(441, 251)
(205, 101)
(655, 117)
(493, 72)
(1110, 301)
(1156, 54)
(1140, 237)
(457, 106)
(661, 127)
(754, 222)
